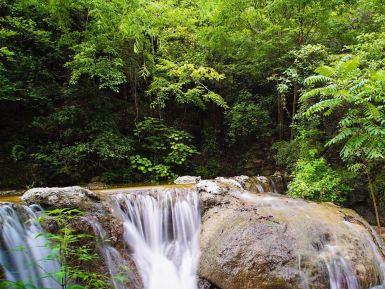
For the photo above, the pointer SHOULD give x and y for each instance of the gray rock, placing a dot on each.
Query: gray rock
(210, 187)
(10, 192)
(96, 186)
(260, 240)
(67, 197)
(204, 284)
(279, 183)
(187, 180)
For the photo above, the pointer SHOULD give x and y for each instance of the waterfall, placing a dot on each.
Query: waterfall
(161, 228)
(24, 255)
(117, 266)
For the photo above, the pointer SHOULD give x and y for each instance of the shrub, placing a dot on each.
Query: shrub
(314, 179)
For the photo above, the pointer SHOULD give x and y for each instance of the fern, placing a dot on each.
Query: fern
(323, 105)
(325, 70)
(358, 101)
(316, 79)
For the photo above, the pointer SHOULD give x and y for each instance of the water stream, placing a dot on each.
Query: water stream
(117, 266)
(162, 227)
(24, 252)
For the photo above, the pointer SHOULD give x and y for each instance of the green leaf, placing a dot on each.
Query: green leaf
(325, 70)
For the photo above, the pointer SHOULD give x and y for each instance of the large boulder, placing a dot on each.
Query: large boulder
(67, 197)
(265, 241)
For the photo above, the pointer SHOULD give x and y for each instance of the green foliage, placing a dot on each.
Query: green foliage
(354, 96)
(73, 252)
(248, 119)
(186, 83)
(163, 149)
(349, 93)
(314, 179)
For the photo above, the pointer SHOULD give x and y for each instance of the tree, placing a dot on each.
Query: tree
(351, 92)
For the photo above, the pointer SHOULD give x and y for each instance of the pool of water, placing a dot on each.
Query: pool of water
(12, 198)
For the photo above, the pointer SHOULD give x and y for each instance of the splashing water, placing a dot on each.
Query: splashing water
(117, 266)
(24, 254)
(162, 228)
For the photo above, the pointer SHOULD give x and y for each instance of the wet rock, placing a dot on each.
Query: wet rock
(187, 180)
(96, 186)
(254, 240)
(10, 192)
(204, 284)
(211, 187)
(67, 197)
(279, 183)
(259, 184)
(265, 241)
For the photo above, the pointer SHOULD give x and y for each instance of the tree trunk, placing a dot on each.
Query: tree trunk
(295, 97)
(374, 200)
(280, 118)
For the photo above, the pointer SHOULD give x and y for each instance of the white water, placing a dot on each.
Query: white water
(117, 266)
(24, 254)
(162, 230)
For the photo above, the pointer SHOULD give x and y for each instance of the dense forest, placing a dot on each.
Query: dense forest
(138, 91)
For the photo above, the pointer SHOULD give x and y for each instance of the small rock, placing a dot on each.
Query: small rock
(96, 186)
(242, 180)
(210, 187)
(187, 180)
(204, 284)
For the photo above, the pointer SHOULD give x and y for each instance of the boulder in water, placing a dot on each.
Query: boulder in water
(187, 180)
(260, 240)
(67, 197)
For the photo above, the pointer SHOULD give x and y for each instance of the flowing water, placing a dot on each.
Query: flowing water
(117, 266)
(24, 254)
(162, 227)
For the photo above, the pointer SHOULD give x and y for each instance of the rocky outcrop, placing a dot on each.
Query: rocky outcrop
(253, 240)
(67, 197)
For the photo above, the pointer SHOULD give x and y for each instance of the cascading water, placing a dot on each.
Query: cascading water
(117, 266)
(24, 254)
(162, 229)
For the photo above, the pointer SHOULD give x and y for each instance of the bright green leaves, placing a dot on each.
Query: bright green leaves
(348, 64)
(314, 179)
(379, 75)
(107, 69)
(323, 70)
(146, 168)
(354, 94)
(162, 150)
(184, 83)
(73, 251)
